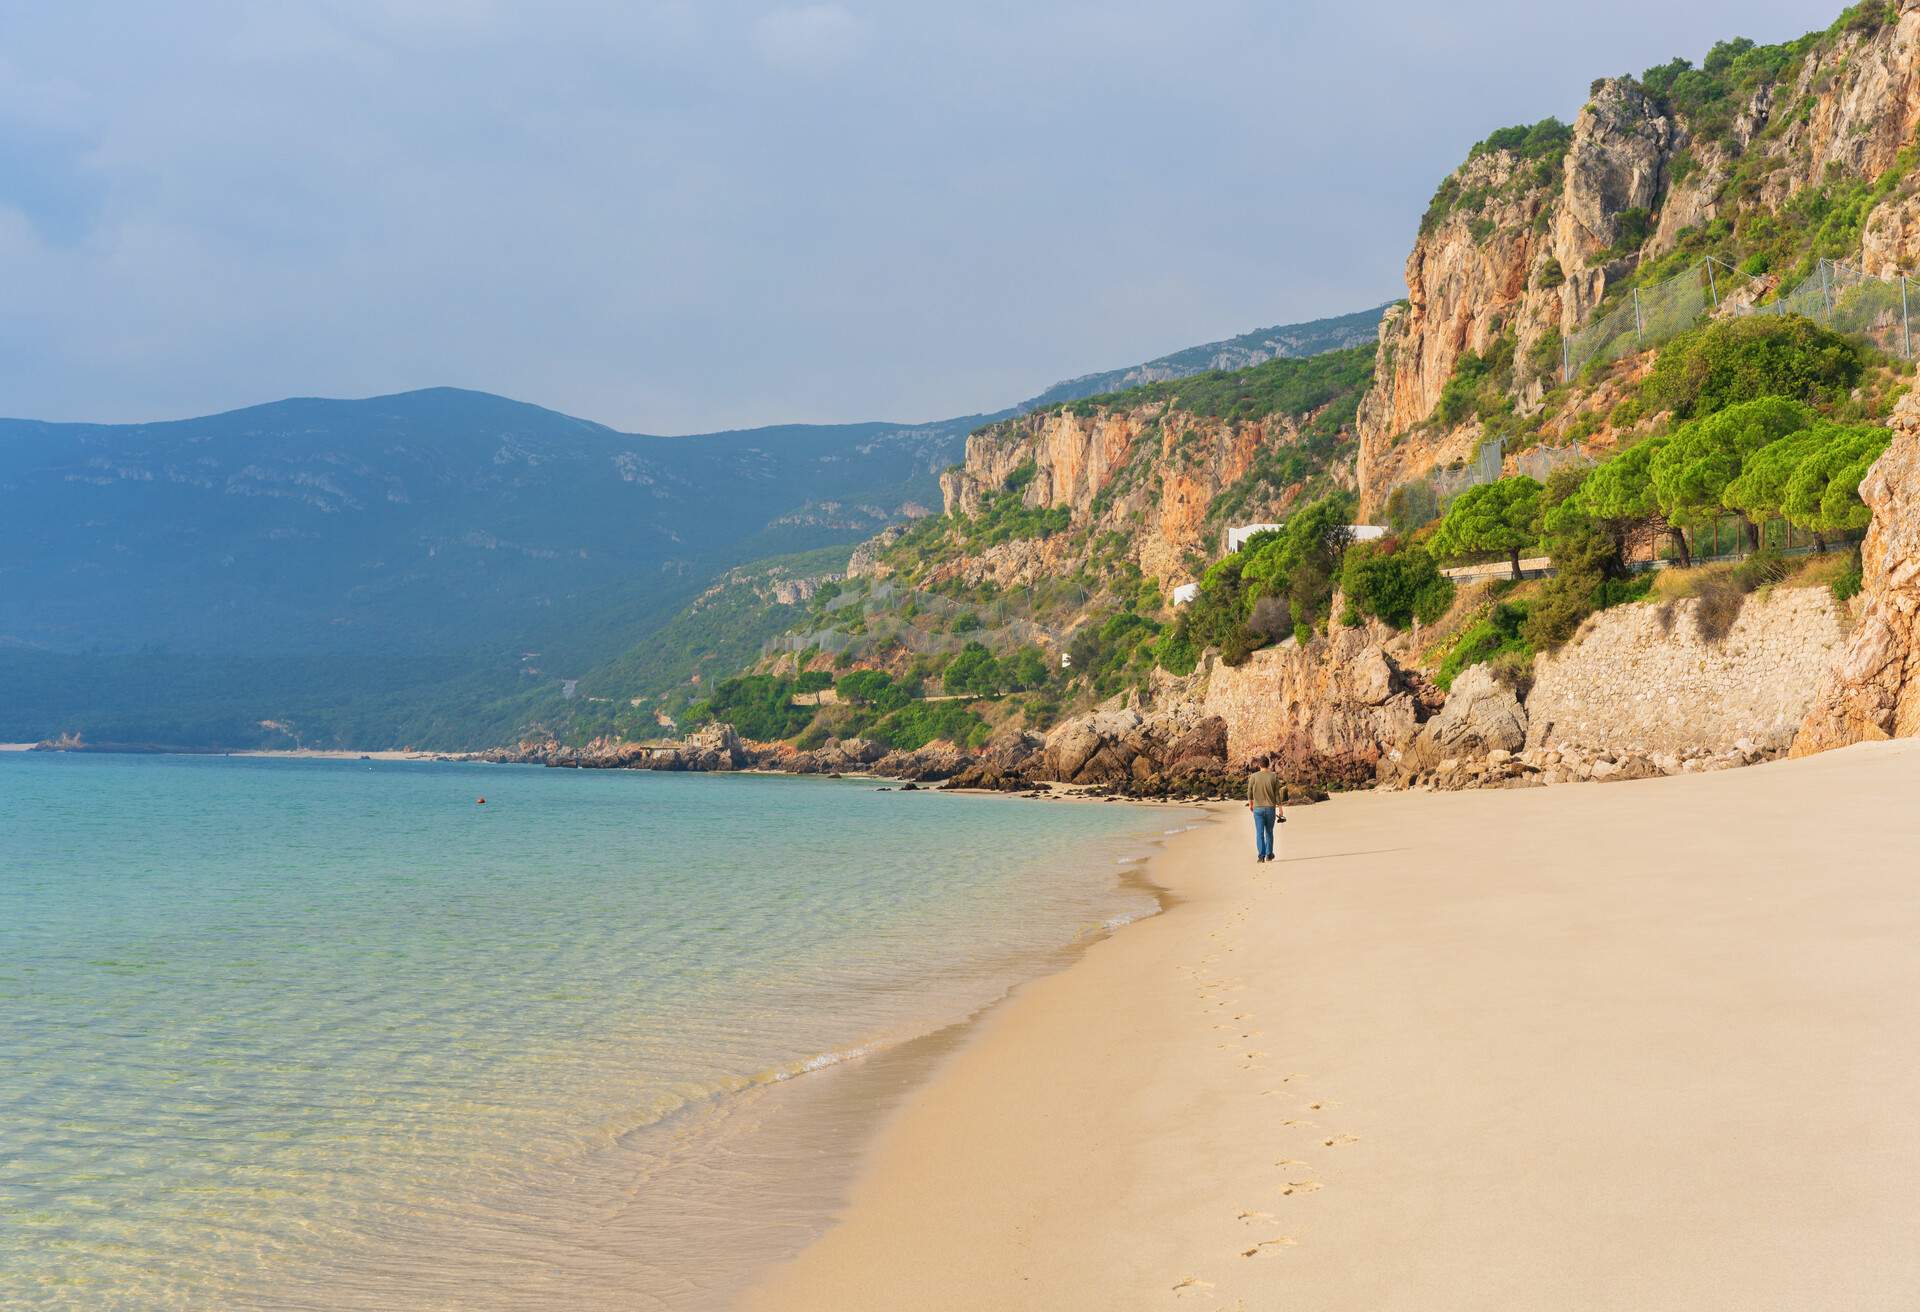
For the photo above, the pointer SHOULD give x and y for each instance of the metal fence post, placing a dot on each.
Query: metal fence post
(1826, 288)
(1712, 290)
(1639, 328)
(1906, 323)
(1566, 359)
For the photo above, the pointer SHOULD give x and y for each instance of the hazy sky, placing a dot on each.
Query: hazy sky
(676, 217)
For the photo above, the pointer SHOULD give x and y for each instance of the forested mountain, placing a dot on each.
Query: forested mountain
(383, 570)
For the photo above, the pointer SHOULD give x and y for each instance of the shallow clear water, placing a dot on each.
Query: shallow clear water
(329, 1034)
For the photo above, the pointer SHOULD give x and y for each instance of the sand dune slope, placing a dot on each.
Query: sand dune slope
(1637, 1046)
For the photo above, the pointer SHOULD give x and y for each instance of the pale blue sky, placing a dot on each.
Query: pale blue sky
(677, 216)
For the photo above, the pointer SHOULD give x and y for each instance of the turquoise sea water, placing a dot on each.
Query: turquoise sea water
(329, 1034)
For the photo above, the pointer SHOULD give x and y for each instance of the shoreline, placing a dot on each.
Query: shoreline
(1664, 1066)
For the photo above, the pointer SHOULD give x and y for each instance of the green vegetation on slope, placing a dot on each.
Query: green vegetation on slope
(1537, 148)
(1336, 380)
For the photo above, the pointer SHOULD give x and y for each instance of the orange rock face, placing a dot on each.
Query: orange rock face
(1874, 691)
(1151, 472)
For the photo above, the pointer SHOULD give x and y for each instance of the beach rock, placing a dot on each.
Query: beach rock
(1205, 742)
(1482, 718)
(1084, 749)
(1117, 744)
(835, 756)
(933, 763)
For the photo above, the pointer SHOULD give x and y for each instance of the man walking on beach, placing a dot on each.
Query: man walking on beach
(1263, 799)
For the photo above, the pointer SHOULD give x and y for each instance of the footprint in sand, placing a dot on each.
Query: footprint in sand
(1339, 1139)
(1289, 1161)
(1192, 1285)
(1320, 1106)
(1297, 1124)
(1254, 1216)
(1278, 1241)
(1300, 1187)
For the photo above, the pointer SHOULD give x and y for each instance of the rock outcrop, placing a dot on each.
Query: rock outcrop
(1873, 690)
(1111, 746)
(1482, 714)
(1333, 706)
(836, 756)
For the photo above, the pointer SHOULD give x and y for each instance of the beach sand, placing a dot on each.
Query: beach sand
(1638, 1046)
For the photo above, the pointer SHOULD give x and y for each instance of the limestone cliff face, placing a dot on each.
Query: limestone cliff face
(1150, 471)
(1530, 254)
(1526, 259)
(1873, 692)
(1340, 695)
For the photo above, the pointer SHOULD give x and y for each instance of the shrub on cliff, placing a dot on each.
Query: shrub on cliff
(1732, 360)
(1480, 384)
(1589, 568)
(1585, 580)
(1847, 584)
(1496, 635)
(913, 727)
(1395, 586)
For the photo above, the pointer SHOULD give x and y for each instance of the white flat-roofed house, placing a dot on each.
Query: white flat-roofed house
(1185, 594)
(1237, 537)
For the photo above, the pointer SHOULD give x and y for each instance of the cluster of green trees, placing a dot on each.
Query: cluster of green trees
(1771, 458)
(976, 670)
(875, 703)
(1729, 360)
(1279, 584)
(758, 706)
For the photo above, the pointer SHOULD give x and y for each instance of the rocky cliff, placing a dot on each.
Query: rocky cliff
(1159, 471)
(1873, 691)
(1169, 466)
(1526, 238)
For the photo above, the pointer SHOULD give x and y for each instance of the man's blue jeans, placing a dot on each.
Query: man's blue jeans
(1263, 831)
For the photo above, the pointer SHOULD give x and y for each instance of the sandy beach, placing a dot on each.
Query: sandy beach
(1639, 1046)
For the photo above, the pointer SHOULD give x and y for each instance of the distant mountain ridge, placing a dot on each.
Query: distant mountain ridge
(1284, 341)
